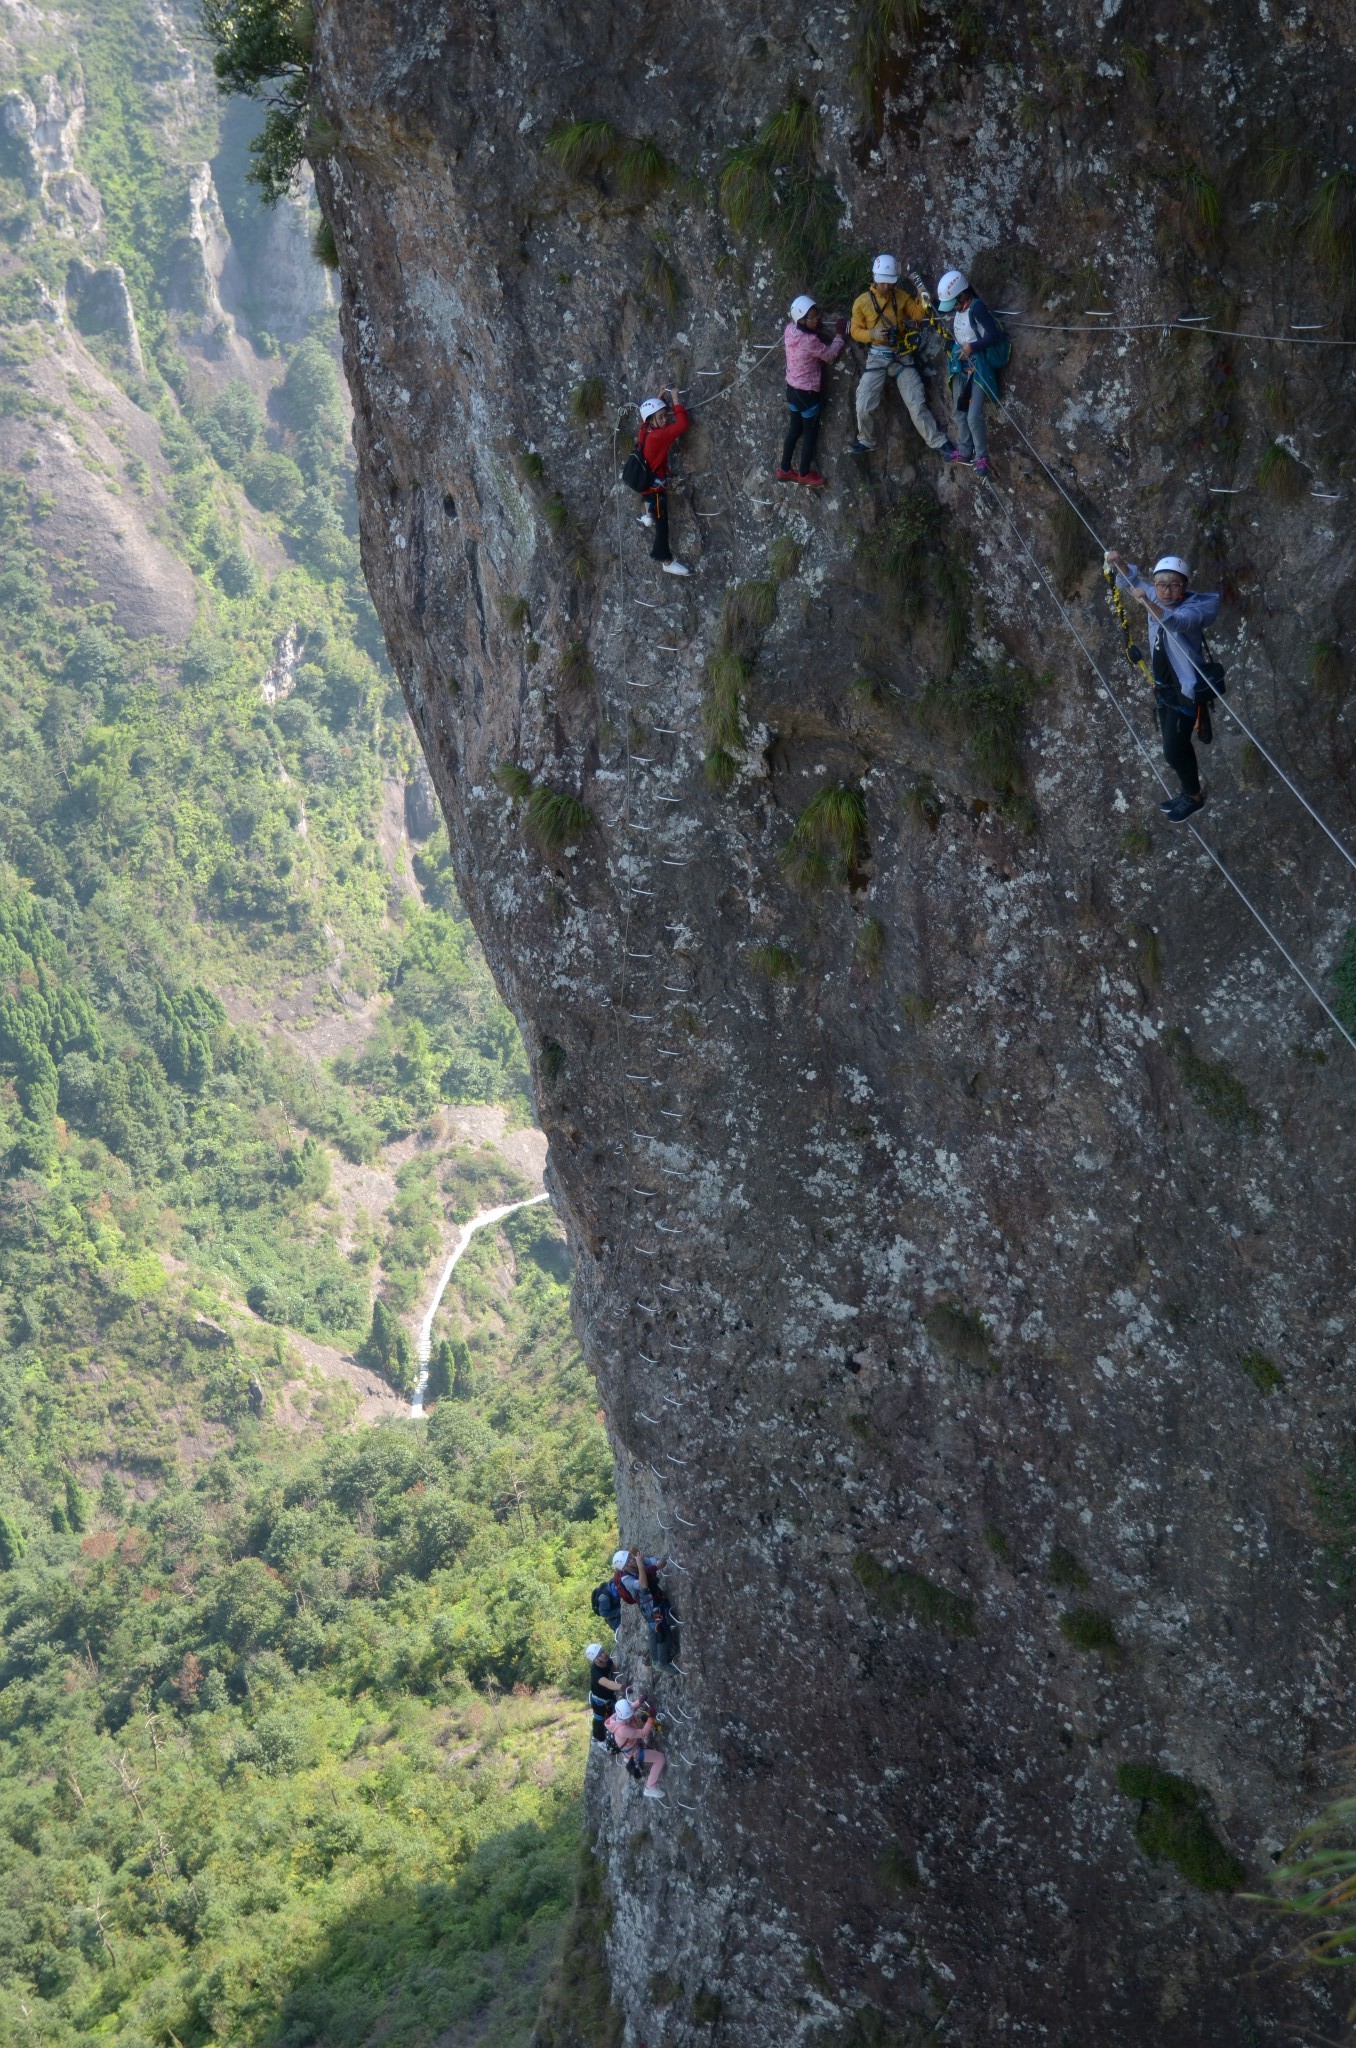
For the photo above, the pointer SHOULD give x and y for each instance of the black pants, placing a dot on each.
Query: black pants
(803, 426)
(659, 505)
(1178, 752)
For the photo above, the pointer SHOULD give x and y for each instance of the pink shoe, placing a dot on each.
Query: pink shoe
(982, 465)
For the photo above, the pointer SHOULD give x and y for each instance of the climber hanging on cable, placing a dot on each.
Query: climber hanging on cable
(975, 354)
(1178, 617)
(630, 1729)
(885, 320)
(662, 420)
(806, 355)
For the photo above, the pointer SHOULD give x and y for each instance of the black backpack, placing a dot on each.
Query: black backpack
(636, 471)
(605, 1601)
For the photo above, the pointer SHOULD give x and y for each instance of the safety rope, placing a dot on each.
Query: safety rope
(1005, 408)
(1178, 326)
(1158, 775)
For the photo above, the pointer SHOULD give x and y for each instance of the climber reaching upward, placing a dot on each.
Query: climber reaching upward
(806, 355)
(662, 420)
(976, 354)
(885, 320)
(1178, 617)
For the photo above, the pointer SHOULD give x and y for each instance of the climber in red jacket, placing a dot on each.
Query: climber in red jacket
(662, 420)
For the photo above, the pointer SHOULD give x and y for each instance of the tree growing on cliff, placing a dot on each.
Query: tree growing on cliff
(263, 49)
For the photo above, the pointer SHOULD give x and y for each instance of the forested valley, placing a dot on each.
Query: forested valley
(290, 1748)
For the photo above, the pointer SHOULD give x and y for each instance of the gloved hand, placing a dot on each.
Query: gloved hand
(840, 326)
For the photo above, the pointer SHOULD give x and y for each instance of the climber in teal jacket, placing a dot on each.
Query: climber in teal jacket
(974, 356)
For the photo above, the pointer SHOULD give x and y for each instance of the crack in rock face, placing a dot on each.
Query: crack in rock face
(937, 1135)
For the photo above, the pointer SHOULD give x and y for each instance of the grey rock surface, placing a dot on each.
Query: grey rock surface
(917, 1285)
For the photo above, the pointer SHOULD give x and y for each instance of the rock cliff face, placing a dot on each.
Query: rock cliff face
(962, 1200)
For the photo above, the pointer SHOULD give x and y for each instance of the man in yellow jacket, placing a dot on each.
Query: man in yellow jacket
(885, 320)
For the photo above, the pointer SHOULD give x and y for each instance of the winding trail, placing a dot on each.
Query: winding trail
(482, 1221)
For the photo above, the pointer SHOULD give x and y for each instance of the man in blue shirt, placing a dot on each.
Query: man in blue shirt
(1178, 617)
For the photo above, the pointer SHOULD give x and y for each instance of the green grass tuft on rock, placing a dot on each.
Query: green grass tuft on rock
(961, 1334)
(894, 1590)
(1063, 1569)
(583, 148)
(1173, 1826)
(1213, 1086)
(828, 841)
(554, 817)
(1264, 1374)
(775, 963)
(1088, 1628)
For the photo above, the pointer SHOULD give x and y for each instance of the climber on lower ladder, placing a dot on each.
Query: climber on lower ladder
(806, 355)
(630, 1734)
(885, 320)
(662, 420)
(1178, 617)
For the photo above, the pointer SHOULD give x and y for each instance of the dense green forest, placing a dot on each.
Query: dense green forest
(282, 1756)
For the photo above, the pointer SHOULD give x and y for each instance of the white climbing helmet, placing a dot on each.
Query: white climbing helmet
(950, 285)
(801, 306)
(625, 1711)
(1172, 565)
(620, 1559)
(885, 270)
(593, 1651)
(649, 407)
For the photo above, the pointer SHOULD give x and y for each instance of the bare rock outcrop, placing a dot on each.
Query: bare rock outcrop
(942, 1144)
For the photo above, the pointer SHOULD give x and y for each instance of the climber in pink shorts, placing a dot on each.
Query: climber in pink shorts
(630, 1738)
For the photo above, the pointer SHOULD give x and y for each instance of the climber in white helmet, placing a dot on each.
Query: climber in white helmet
(885, 321)
(806, 355)
(630, 1728)
(606, 1687)
(978, 351)
(662, 420)
(1178, 617)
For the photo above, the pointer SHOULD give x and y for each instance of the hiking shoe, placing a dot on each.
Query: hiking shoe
(1167, 804)
(1185, 807)
(787, 476)
(675, 568)
(957, 456)
(812, 478)
(652, 1792)
(646, 519)
(981, 465)
(860, 447)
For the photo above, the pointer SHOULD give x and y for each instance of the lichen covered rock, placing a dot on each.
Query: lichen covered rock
(935, 1129)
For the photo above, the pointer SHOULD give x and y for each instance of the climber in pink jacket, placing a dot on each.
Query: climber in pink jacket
(630, 1736)
(806, 355)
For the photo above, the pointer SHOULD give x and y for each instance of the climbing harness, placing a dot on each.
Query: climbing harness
(901, 341)
(1157, 773)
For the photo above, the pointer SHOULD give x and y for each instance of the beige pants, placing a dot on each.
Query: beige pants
(909, 384)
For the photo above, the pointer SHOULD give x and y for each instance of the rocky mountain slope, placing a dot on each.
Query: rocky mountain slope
(958, 1176)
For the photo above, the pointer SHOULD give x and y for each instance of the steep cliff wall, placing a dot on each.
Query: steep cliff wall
(943, 1228)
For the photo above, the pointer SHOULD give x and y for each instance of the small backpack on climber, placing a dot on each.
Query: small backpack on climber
(637, 474)
(606, 1603)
